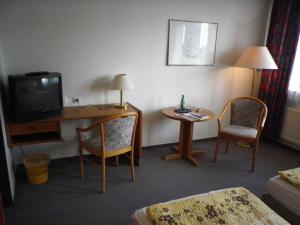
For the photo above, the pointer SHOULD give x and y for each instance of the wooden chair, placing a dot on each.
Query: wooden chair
(109, 137)
(246, 121)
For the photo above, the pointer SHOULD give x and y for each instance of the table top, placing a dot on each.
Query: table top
(170, 113)
(92, 111)
(86, 112)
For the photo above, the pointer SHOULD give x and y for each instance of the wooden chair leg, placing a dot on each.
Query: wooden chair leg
(132, 166)
(217, 148)
(81, 162)
(103, 175)
(117, 160)
(227, 145)
(254, 155)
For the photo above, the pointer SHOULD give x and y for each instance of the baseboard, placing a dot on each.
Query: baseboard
(290, 144)
(143, 148)
(284, 143)
(176, 143)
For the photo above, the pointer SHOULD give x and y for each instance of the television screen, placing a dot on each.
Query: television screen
(35, 96)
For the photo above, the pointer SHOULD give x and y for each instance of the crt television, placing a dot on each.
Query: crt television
(35, 95)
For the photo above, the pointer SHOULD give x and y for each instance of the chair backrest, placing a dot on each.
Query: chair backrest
(119, 132)
(248, 112)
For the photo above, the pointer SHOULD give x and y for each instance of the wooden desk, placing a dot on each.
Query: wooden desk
(186, 134)
(49, 130)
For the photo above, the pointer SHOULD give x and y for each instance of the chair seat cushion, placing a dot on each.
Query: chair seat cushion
(241, 131)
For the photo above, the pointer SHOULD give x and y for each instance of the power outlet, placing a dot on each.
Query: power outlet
(76, 100)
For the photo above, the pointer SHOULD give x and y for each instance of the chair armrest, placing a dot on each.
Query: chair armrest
(80, 130)
(89, 128)
(219, 124)
(263, 120)
(259, 131)
(221, 117)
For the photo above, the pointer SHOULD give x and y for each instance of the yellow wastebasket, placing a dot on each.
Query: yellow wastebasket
(36, 166)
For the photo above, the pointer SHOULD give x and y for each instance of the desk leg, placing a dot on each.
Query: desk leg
(138, 139)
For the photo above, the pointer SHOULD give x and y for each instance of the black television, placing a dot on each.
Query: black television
(35, 95)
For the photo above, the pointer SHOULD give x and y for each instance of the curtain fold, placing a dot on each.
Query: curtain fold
(282, 43)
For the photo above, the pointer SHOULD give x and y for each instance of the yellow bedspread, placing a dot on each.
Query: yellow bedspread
(234, 206)
(292, 176)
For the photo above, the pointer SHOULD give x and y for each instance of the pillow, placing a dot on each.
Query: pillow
(292, 176)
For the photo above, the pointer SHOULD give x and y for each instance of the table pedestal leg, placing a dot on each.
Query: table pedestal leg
(172, 156)
(185, 144)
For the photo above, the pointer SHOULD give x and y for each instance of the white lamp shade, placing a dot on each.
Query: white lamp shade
(256, 58)
(122, 82)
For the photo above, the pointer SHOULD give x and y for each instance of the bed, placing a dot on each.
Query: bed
(283, 198)
(139, 217)
(247, 209)
(286, 193)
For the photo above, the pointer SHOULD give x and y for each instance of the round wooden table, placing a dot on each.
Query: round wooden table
(184, 150)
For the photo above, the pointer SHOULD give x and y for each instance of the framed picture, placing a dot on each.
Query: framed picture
(192, 43)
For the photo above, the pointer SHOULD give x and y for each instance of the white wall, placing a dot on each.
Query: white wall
(291, 126)
(90, 41)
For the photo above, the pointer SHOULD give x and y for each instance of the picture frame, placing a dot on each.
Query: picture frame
(191, 43)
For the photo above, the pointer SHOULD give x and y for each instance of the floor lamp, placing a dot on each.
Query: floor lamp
(256, 58)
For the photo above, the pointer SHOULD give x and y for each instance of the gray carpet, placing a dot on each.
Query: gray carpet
(68, 200)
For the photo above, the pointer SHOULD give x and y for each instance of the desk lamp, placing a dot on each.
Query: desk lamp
(256, 58)
(121, 82)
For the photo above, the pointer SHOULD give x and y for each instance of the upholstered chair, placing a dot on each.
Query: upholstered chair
(245, 118)
(109, 137)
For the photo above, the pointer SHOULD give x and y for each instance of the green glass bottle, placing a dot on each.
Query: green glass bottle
(182, 103)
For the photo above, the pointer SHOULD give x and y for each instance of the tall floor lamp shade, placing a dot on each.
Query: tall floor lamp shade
(256, 58)
(122, 82)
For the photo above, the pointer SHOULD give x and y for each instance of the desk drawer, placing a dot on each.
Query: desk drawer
(31, 128)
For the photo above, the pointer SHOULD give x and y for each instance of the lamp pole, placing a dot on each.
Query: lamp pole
(121, 99)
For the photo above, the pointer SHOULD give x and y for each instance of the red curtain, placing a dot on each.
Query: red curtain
(282, 44)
